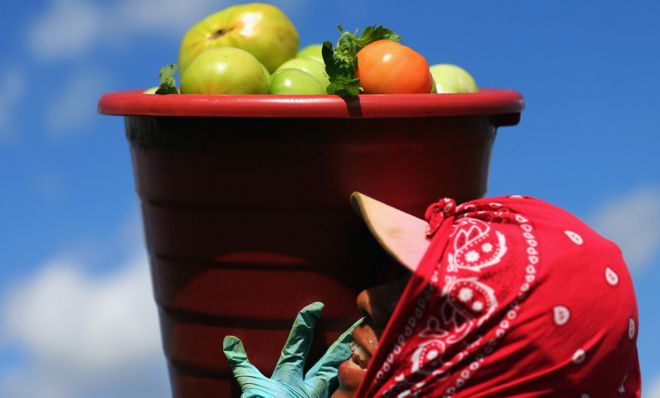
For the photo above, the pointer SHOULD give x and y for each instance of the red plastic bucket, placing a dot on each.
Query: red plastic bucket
(245, 204)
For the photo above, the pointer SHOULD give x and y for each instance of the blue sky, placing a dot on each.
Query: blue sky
(70, 231)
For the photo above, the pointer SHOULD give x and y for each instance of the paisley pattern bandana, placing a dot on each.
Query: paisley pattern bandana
(513, 298)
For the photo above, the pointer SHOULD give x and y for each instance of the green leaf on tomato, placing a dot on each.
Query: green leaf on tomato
(167, 80)
(341, 62)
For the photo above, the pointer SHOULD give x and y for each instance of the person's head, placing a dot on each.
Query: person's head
(376, 304)
(506, 296)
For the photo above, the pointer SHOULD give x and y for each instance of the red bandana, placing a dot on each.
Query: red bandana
(514, 297)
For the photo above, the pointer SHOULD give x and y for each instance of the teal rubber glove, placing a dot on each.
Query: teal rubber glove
(287, 379)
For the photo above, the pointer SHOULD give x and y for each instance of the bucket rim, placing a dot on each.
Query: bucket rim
(485, 102)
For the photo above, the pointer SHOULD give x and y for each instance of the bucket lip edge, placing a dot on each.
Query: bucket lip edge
(487, 101)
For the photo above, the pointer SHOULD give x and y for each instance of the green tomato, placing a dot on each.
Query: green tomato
(313, 51)
(450, 78)
(314, 68)
(224, 70)
(150, 90)
(260, 29)
(295, 81)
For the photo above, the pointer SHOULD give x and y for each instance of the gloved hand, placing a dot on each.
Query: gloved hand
(287, 379)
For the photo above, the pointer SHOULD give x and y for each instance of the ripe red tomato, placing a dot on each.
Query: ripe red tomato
(387, 67)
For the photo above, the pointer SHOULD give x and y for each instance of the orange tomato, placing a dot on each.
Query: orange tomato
(387, 67)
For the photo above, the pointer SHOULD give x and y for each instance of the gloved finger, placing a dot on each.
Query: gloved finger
(321, 388)
(338, 352)
(295, 350)
(240, 365)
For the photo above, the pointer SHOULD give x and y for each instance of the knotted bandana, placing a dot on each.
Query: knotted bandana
(513, 298)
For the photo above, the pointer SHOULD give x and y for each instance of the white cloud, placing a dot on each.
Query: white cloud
(84, 335)
(13, 83)
(67, 28)
(75, 105)
(71, 28)
(652, 390)
(633, 221)
(164, 16)
(63, 313)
